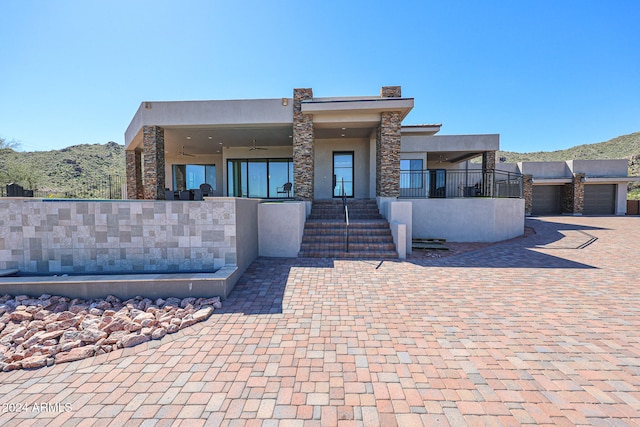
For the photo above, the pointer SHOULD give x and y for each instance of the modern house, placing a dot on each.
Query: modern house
(212, 185)
(326, 147)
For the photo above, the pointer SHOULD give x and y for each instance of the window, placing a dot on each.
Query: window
(189, 177)
(258, 177)
(437, 183)
(411, 173)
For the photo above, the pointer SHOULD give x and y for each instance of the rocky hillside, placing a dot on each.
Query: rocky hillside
(62, 170)
(622, 147)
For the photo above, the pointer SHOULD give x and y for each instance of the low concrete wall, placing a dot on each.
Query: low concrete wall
(246, 232)
(399, 233)
(126, 286)
(468, 220)
(401, 212)
(280, 228)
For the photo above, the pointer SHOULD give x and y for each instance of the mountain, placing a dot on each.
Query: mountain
(622, 147)
(62, 170)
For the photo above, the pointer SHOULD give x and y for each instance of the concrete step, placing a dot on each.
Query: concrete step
(355, 238)
(358, 247)
(350, 254)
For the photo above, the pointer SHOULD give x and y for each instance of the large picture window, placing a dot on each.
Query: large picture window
(189, 177)
(261, 178)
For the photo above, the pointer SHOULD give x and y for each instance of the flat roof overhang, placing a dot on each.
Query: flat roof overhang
(448, 148)
(351, 117)
(551, 181)
(198, 124)
(611, 180)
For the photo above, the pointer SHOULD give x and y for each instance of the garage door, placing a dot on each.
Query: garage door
(599, 199)
(546, 200)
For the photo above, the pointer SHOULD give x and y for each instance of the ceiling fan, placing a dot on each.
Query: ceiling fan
(182, 153)
(253, 147)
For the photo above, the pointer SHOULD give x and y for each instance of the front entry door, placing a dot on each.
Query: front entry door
(342, 173)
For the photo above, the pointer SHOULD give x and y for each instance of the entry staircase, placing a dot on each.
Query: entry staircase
(325, 231)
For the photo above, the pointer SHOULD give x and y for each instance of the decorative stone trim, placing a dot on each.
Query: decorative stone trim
(573, 195)
(303, 146)
(154, 178)
(391, 92)
(388, 155)
(134, 174)
(527, 192)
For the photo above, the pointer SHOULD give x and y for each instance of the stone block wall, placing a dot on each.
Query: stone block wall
(56, 237)
(388, 155)
(573, 195)
(134, 175)
(303, 150)
(388, 148)
(154, 176)
(391, 92)
(527, 193)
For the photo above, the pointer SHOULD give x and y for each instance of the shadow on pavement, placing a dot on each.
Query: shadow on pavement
(261, 288)
(523, 252)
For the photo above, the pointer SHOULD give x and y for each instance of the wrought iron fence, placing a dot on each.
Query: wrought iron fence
(112, 187)
(442, 183)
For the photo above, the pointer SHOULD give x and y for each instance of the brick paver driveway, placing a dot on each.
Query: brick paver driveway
(507, 335)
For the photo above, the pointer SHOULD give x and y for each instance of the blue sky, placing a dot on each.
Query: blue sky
(545, 74)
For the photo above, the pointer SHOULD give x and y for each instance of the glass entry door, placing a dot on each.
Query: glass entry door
(342, 173)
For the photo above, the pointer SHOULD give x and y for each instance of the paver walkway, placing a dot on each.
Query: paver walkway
(530, 331)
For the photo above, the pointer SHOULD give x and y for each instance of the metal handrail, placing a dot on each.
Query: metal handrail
(346, 216)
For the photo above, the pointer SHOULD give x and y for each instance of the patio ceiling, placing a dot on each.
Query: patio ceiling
(208, 140)
(452, 157)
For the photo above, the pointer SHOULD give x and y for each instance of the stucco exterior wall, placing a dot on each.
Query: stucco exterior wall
(600, 168)
(324, 148)
(246, 231)
(468, 220)
(43, 237)
(545, 169)
(280, 228)
(621, 199)
(416, 143)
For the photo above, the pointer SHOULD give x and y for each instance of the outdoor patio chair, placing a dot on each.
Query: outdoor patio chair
(285, 189)
(185, 195)
(206, 190)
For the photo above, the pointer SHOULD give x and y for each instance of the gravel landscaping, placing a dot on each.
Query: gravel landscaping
(37, 332)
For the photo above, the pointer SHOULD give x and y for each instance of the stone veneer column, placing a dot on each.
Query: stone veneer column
(154, 163)
(133, 161)
(527, 193)
(573, 195)
(488, 161)
(488, 166)
(303, 140)
(388, 148)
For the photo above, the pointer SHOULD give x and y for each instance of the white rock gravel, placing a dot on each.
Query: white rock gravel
(37, 332)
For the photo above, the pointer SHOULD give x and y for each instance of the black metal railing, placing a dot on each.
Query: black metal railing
(443, 183)
(112, 187)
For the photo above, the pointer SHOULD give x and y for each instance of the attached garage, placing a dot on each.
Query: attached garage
(599, 199)
(546, 200)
